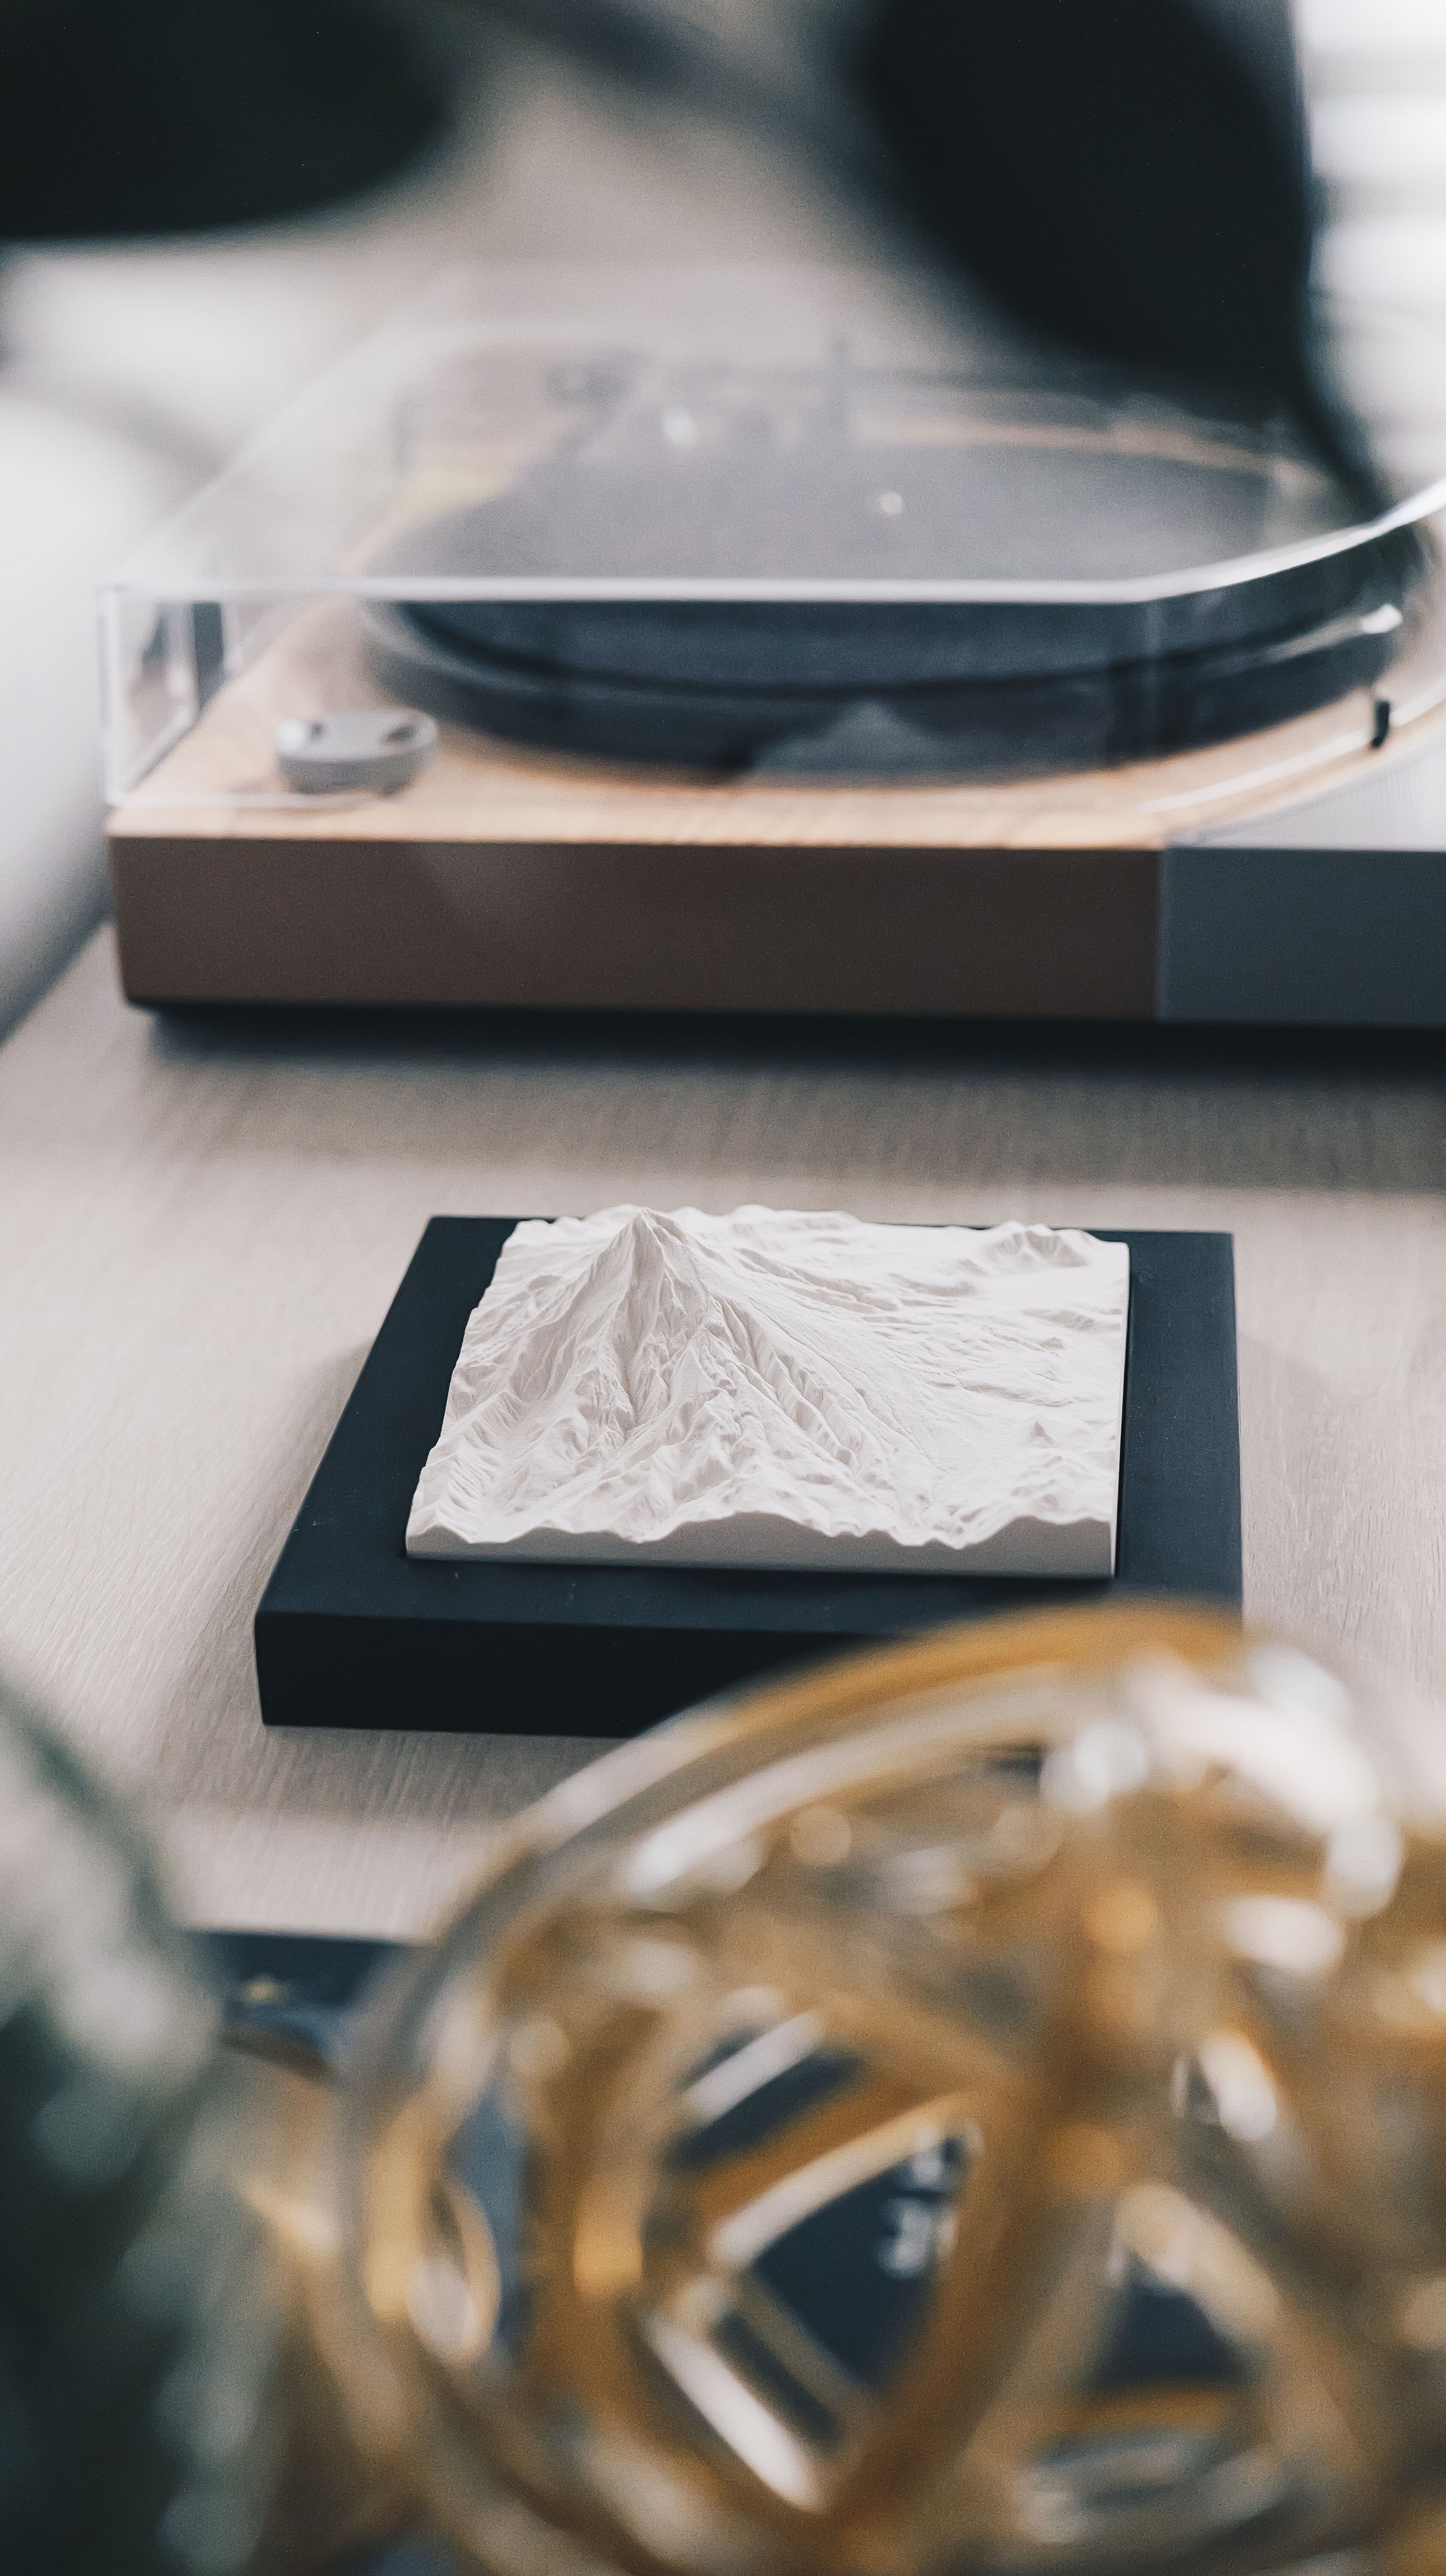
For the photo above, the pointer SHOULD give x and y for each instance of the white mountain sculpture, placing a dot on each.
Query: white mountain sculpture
(779, 1390)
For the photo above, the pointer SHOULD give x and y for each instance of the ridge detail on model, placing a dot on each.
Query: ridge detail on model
(787, 1390)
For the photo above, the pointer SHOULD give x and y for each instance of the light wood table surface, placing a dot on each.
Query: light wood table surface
(202, 1223)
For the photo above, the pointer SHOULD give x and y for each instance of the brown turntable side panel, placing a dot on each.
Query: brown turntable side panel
(616, 926)
(509, 877)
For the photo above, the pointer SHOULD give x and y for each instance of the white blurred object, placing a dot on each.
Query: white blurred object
(1375, 76)
(73, 497)
(1371, 27)
(1375, 79)
(1381, 142)
(1410, 254)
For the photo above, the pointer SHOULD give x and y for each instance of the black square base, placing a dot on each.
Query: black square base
(353, 1632)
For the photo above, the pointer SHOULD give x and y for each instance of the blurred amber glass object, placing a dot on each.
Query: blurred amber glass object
(981, 2106)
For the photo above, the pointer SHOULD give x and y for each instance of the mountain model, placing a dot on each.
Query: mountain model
(777, 1390)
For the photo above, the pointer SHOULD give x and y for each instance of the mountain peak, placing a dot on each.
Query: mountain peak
(785, 1389)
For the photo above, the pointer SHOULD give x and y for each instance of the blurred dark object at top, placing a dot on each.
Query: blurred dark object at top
(128, 117)
(1131, 176)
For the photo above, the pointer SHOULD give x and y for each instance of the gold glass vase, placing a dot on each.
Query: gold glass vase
(980, 2106)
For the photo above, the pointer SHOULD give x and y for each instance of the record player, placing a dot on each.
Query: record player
(765, 641)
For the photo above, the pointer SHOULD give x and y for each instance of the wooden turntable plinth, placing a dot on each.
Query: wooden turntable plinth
(504, 878)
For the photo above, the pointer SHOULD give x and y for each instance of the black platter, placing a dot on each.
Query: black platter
(844, 570)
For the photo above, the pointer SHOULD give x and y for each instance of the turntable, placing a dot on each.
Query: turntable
(740, 641)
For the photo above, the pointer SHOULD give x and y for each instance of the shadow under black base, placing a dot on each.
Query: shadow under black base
(353, 1632)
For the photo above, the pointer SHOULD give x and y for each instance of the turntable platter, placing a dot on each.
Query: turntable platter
(895, 573)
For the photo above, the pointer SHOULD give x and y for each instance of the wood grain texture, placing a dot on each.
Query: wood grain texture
(221, 783)
(504, 877)
(556, 926)
(203, 1222)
